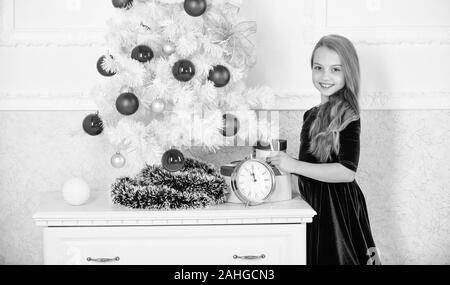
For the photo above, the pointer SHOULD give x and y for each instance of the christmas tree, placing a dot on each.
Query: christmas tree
(174, 72)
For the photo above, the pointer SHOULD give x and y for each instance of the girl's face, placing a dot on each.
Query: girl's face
(327, 73)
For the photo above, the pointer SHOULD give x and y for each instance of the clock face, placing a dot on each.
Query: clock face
(254, 181)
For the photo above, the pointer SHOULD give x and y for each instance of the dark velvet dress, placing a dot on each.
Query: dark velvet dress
(340, 233)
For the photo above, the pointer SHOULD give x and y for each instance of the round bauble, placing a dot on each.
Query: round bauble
(100, 68)
(231, 125)
(173, 160)
(122, 3)
(127, 104)
(93, 125)
(168, 49)
(195, 8)
(142, 53)
(220, 75)
(118, 160)
(76, 191)
(158, 106)
(183, 70)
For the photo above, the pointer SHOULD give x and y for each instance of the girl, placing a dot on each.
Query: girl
(328, 160)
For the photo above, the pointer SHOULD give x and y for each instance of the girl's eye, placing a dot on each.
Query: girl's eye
(317, 68)
(336, 70)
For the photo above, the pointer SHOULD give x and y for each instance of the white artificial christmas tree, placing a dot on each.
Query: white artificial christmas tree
(174, 70)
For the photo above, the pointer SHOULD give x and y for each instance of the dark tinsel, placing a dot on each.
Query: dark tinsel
(198, 185)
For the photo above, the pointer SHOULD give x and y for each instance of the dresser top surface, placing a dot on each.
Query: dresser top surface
(100, 211)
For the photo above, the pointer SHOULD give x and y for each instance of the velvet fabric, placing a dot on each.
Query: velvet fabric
(340, 233)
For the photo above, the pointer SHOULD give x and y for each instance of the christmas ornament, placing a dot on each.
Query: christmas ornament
(239, 45)
(168, 49)
(127, 104)
(103, 71)
(142, 53)
(76, 191)
(183, 70)
(158, 106)
(122, 3)
(231, 125)
(173, 160)
(93, 125)
(195, 8)
(118, 160)
(220, 75)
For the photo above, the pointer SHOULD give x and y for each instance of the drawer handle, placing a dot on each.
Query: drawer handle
(249, 257)
(103, 260)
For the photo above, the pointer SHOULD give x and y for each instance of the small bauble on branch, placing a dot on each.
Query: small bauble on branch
(127, 104)
(195, 8)
(231, 125)
(93, 125)
(158, 106)
(220, 75)
(122, 4)
(183, 70)
(118, 160)
(142, 53)
(168, 49)
(173, 160)
(101, 69)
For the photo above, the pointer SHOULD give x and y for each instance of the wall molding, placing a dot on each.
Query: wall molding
(11, 36)
(79, 101)
(315, 26)
(50, 101)
(376, 100)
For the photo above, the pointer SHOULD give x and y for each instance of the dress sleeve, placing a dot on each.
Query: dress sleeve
(305, 115)
(349, 145)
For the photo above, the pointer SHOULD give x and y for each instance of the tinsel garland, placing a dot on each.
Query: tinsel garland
(199, 185)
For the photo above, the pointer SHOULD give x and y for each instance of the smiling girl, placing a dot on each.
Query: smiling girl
(329, 157)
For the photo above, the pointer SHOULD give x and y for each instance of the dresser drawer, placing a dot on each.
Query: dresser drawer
(179, 245)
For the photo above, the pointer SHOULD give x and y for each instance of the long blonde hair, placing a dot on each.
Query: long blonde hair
(342, 107)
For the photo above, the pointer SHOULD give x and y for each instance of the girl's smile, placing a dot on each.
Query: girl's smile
(326, 86)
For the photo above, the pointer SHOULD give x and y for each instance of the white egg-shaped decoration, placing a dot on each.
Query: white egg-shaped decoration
(76, 192)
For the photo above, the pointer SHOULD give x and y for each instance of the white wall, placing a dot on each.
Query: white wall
(403, 51)
(47, 66)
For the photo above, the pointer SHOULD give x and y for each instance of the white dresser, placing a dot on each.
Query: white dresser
(230, 234)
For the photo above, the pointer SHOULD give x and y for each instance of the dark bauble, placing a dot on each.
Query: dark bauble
(173, 160)
(183, 70)
(231, 125)
(142, 53)
(195, 8)
(93, 125)
(101, 70)
(122, 3)
(127, 104)
(220, 75)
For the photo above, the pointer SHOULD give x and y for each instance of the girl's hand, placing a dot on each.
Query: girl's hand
(283, 162)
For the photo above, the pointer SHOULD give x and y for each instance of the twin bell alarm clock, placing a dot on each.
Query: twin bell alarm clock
(253, 181)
